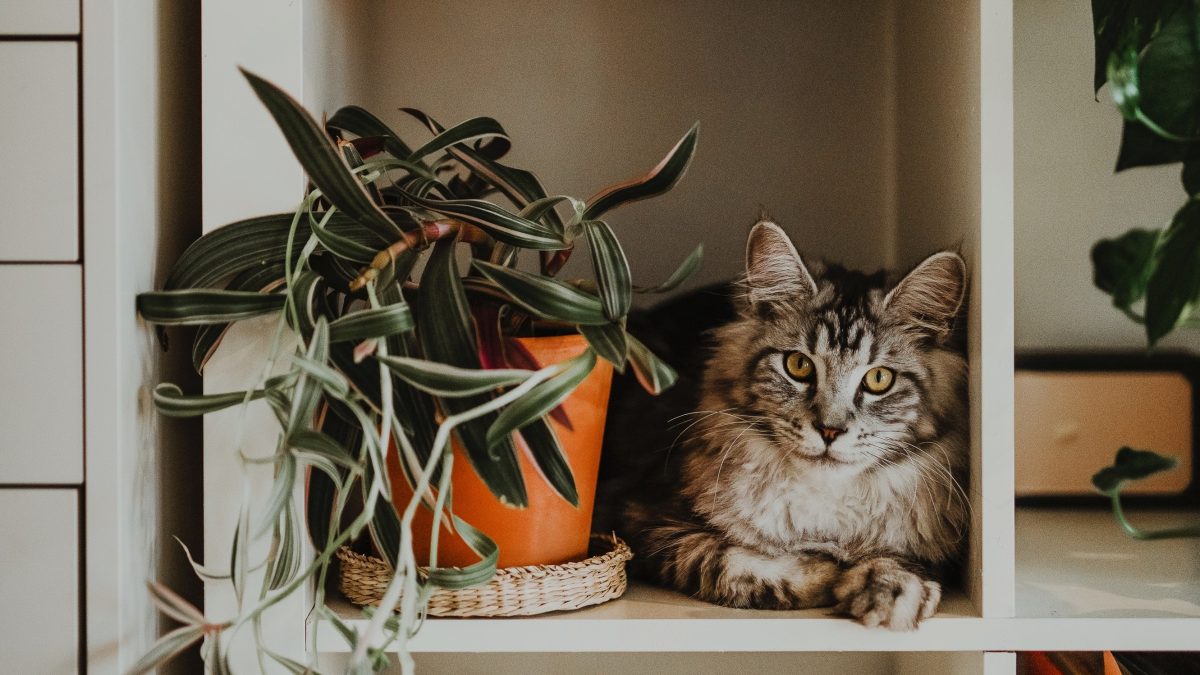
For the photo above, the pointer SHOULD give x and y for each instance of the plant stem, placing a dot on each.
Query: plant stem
(1148, 535)
(416, 240)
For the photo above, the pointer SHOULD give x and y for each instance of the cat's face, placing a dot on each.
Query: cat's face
(836, 366)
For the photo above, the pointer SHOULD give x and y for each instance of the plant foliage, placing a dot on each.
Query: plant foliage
(392, 360)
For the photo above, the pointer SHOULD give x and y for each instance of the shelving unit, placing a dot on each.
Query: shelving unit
(896, 116)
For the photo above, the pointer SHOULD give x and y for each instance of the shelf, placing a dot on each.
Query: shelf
(1078, 564)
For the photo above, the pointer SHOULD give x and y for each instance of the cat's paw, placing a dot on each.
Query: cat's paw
(880, 592)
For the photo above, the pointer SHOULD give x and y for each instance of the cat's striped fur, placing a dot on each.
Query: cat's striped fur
(742, 502)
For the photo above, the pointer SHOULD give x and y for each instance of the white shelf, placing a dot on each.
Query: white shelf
(1079, 564)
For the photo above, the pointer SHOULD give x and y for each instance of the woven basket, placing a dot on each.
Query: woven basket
(514, 591)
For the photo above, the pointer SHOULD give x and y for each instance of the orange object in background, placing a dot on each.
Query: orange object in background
(549, 531)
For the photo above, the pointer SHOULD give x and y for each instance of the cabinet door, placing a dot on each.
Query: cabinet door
(39, 586)
(41, 368)
(39, 17)
(39, 151)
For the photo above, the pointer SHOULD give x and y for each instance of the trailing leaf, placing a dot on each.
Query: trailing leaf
(609, 341)
(685, 270)
(652, 373)
(541, 399)
(546, 298)
(372, 323)
(472, 129)
(170, 400)
(1130, 464)
(547, 453)
(500, 224)
(445, 380)
(362, 123)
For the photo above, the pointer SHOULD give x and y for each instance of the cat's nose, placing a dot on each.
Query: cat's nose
(828, 433)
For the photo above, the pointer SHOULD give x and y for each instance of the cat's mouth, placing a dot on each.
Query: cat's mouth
(803, 448)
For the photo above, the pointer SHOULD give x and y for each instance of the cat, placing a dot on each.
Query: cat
(812, 452)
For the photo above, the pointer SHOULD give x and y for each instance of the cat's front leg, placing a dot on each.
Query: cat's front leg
(882, 592)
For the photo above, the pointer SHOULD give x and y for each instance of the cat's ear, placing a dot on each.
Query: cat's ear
(774, 270)
(931, 295)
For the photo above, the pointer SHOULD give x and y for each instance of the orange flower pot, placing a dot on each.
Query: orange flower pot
(549, 531)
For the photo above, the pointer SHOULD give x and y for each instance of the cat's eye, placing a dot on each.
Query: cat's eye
(878, 380)
(799, 366)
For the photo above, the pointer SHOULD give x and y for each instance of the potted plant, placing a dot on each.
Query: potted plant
(1149, 55)
(380, 365)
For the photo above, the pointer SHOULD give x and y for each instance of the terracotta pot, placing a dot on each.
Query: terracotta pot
(549, 531)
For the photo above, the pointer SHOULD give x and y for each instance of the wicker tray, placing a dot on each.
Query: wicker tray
(514, 591)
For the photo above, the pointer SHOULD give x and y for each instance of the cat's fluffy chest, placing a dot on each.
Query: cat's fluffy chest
(790, 504)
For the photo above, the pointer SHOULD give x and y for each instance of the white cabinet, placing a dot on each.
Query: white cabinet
(39, 17)
(39, 586)
(39, 149)
(41, 366)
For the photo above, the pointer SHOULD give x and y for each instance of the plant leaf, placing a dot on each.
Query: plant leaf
(547, 453)
(608, 341)
(1175, 279)
(660, 179)
(1122, 266)
(652, 373)
(1130, 464)
(545, 297)
(196, 307)
(363, 124)
(324, 164)
(541, 399)
(500, 224)
(688, 267)
(612, 269)
(447, 336)
(445, 380)
(166, 648)
(372, 323)
(172, 402)
(471, 575)
(472, 129)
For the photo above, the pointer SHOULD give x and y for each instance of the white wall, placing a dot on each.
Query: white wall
(1067, 194)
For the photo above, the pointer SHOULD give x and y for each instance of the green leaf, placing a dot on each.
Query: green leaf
(1175, 280)
(652, 373)
(541, 399)
(472, 129)
(447, 335)
(548, 454)
(660, 179)
(363, 124)
(545, 297)
(1130, 464)
(450, 381)
(324, 164)
(195, 307)
(1122, 266)
(343, 247)
(314, 377)
(471, 575)
(612, 269)
(172, 402)
(166, 648)
(500, 224)
(609, 341)
(686, 269)
(259, 278)
(372, 323)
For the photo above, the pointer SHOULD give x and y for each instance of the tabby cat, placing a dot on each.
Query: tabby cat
(813, 450)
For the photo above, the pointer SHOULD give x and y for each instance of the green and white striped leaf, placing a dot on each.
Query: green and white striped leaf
(170, 400)
(660, 179)
(471, 575)
(652, 373)
(545, 297)
(372, 323)
(609, 342)
(473, 129)
(542, 398)
(447, 335)
(168, 647)
(685, 270)
(196, 307)
(313, 379)
(500, 224)
(444, 380)
(322, 162)
(548, 455)
(342, 247)
(363, 124)
(611, 268)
